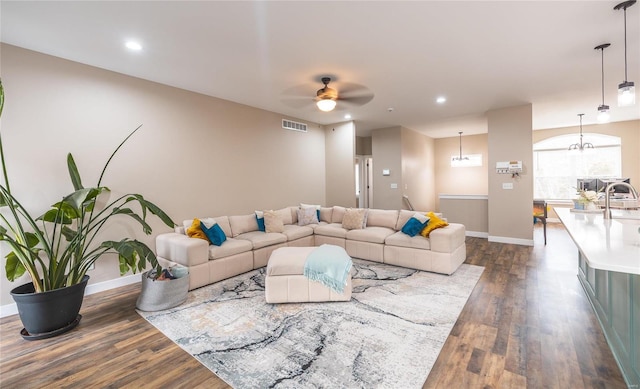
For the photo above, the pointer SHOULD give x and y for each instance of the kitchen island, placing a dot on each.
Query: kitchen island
(609, 271)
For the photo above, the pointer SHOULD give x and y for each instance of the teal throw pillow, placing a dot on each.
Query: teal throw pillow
(414, 225)
(214, 233)
(260, 221)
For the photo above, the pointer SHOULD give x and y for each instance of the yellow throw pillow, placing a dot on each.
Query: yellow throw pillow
(195, 231)
(434, 222)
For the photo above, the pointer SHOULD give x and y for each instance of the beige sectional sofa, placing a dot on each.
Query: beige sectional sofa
(247, 248)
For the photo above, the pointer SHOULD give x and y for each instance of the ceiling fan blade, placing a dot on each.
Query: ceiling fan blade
(356, 101)
(354, 94)
(298, 103)
(348, 89)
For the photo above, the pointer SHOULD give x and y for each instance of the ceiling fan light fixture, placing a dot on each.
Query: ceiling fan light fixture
(326, 105)
(626, 90)
(326, 96)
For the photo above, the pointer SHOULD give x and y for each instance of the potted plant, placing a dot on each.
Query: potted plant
(58, 248)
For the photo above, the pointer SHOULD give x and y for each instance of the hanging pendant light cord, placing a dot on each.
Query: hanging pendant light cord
(625, 44)
(602, 69)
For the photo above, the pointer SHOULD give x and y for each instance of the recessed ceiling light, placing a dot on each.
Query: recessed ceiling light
(347, 116)
(441, 99)
(131, 45)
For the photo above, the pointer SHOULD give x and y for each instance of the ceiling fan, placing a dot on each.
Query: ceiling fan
(342, 95)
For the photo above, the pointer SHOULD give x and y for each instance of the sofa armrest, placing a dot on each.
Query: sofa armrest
(182, 249)
(447, 239)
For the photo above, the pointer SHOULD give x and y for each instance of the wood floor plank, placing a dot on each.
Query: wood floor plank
(527, 324)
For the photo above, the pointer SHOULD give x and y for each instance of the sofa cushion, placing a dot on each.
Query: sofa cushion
(337, 213)
(307, 215)
(230, 247)
(334, 229)
(285, 215)
(263, 239)
(434, 222)
(273, 222)
(382, 218)
(294, 232)
(354, 218)
(325, 214)
(370, 234)
(223, 222)
(401, 239)
(241, 224)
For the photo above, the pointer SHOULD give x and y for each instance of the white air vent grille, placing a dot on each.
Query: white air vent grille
(294, 126)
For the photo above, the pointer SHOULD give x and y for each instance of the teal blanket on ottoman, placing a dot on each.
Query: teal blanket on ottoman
(330, 265)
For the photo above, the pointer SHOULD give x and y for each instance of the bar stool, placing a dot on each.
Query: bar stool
(540, 213)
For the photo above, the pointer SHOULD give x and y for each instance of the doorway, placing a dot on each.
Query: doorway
(364, 181)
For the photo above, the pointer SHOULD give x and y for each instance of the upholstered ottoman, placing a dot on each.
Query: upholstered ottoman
(285, 281)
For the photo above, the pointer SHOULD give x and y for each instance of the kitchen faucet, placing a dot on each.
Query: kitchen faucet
(607, 200)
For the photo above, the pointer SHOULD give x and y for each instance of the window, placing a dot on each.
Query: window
(556, 169)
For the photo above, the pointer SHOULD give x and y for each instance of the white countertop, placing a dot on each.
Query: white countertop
(612, 244)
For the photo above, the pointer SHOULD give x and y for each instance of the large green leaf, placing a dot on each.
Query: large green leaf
(32, 239)
(13, 267)
(73, 173)
(132, 254)
(69, 233)
(154, 210)
(56, 215)
(129, 212)
(82, 198)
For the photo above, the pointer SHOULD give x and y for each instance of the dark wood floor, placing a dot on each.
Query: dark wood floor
(527, 324)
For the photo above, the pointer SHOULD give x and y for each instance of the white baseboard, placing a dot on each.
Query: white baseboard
(477, 234)
(504, 239)
(12, 309)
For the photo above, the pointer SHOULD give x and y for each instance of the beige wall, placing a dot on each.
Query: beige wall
(628, 131)
(409, 157)
(386, 147)
(340, 171)
(194, 156)
(510, 210)
(363, 145)
(470, 210)
(418, 174)
(461, 180)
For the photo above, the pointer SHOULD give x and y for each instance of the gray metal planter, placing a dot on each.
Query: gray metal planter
(157, 295)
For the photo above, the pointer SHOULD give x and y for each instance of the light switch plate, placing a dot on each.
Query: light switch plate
(394, 186)
(507, 185)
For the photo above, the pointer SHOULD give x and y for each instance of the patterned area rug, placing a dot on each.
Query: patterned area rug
(388, 336)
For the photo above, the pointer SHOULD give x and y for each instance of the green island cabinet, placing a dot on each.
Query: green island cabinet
(609, 271)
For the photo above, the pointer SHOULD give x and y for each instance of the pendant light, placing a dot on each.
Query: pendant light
(581, 146)
(603, 109)
(626, 90)
(460, 158)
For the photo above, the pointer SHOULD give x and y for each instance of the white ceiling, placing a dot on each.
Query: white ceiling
(481, 55)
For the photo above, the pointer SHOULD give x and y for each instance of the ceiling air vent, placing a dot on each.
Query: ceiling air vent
(294, 126)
